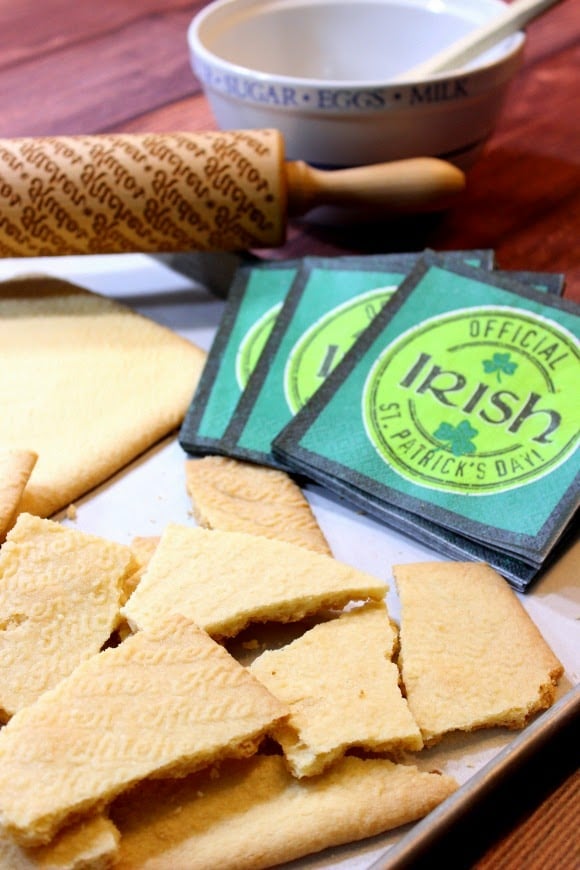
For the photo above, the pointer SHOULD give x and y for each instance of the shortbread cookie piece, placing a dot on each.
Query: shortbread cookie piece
(105, 384)
(60, 596)
(162, 703)
(342, 689)
(225, 580)
(240, 497)
(471, 657)
(256, 815)
(91, 844)
(15, 468)
(143, 548)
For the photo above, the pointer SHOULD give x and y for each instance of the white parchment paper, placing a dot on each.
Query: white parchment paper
(151, 492)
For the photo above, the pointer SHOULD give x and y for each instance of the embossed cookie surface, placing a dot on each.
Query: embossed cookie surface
(88, 845)
(60, 594)
(254, 814)
(342, 689)
(164, 702)
(224, 580)
(471, 656)
(241, 497)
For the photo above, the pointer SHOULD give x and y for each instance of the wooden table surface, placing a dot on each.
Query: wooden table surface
(80, 66)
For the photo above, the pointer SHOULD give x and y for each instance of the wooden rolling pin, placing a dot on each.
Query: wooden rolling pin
(213, 191)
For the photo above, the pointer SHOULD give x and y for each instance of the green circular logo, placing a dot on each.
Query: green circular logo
(476, 401)
(252, 345)
(324, 344)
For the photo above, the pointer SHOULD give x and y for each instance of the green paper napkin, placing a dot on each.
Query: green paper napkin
(330, 302)
(254, 300)
(456, 406)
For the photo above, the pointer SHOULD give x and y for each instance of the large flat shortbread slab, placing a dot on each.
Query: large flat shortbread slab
(87, 384)
(342, 689)
(162, 703)
(60, 595)
(471, 657)
(222, 581)
(256, 815)
(241, 497)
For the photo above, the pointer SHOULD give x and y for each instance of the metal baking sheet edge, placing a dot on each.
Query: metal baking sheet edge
(419, 844)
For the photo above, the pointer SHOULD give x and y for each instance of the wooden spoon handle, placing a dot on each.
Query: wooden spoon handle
(515, 17)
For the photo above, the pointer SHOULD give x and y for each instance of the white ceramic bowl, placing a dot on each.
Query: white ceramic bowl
(322, 72)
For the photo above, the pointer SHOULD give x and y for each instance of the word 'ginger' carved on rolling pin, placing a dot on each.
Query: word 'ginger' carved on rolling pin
(186, 191)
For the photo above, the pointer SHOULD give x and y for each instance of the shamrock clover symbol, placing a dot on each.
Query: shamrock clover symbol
(499, 363)
(458, 437)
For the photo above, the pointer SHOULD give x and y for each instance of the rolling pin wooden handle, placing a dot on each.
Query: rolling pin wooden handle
(153, 193)
(417, 184)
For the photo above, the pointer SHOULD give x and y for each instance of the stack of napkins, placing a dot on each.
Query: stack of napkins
(432, 391)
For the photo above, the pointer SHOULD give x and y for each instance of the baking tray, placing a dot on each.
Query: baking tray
(150, 492)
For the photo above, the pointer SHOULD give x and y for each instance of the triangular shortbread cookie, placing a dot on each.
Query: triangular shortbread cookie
(162, 703)
(222, 581)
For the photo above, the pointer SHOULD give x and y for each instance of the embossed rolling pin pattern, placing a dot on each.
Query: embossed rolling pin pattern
(186, 191)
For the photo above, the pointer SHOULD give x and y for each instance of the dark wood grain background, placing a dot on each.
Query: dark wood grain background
(73, 66)
(91, 66)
